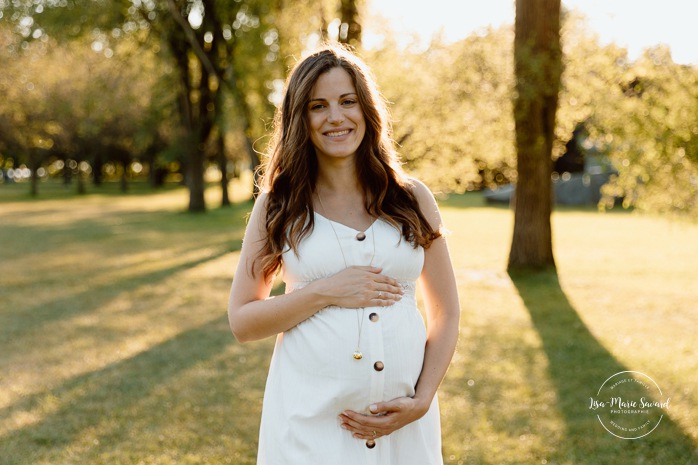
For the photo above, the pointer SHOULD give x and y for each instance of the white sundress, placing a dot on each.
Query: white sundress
(313, 376)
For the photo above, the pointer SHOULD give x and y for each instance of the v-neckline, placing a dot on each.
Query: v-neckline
(348, 227)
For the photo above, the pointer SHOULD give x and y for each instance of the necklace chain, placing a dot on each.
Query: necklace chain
(359, 319)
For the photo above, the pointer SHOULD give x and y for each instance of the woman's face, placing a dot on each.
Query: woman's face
(336, 120)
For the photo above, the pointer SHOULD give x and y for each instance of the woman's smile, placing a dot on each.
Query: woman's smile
(337, 134)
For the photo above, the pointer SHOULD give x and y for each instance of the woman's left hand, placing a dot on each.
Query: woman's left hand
(385, 418)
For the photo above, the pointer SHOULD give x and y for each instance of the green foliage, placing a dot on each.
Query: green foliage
(451, 102)
(654, 139)
(642, 114)
(454, 122)
(70, 102)
(452, 109)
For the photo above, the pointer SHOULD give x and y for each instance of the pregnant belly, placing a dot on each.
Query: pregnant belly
(392, 344)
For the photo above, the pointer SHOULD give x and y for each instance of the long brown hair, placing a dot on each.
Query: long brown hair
(291, 171)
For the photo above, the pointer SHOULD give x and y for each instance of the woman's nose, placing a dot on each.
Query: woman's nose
(336, 116)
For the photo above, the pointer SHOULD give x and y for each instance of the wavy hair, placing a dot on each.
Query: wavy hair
(291, 171)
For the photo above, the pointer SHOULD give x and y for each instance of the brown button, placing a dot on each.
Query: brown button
(360, 236)
(374, 317)
(378, 366)
(370, 443)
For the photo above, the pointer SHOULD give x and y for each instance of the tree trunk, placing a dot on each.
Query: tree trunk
(350, 29)
(195, 177)
(80, 179)
(223, 166)
(202, 129)
(537, 59)
(123, 183)
(67, 172)
(34, 165)
(97, 165)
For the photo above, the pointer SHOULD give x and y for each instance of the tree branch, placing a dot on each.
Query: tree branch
(191, 37)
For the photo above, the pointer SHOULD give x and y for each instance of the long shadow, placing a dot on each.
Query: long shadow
(112, 226)
(91, 234)
(113, 393)
(578, 366)
(16, 322)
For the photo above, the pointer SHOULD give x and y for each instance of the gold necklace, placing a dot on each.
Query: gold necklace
(360, 236)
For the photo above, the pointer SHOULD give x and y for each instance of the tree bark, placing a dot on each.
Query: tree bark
(537, 60)
(203, 127)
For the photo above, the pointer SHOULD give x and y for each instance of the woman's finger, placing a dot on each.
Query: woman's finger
(358, 430)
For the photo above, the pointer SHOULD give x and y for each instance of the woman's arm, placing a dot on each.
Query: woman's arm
(438, 286)
(439, 290)
(253, 315)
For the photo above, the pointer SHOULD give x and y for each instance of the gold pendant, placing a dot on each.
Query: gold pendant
(358, 355)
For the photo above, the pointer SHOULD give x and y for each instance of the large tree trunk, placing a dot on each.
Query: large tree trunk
(205, 121)
(193, 106)
(350, 29)
(537, 58)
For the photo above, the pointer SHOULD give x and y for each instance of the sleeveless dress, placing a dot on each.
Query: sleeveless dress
(313, 376)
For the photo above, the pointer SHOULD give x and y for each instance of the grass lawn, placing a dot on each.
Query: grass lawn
(115, 347)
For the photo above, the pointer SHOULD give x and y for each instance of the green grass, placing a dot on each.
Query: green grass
(116, 350)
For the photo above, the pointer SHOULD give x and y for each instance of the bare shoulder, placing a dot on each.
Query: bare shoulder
(421, 191)
(259, 208)
(256, 230)
(261, 201)
(427, 202)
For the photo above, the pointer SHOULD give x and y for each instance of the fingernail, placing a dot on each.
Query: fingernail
(343, 426)
(373, 407)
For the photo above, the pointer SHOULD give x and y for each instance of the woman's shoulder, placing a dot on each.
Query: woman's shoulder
(259, 209)
(261, 201)
(420, 190)
(426, 202)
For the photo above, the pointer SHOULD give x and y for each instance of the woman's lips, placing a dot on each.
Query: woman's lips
(338, 133)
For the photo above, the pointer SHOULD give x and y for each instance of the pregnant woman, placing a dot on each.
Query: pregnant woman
(354, 373)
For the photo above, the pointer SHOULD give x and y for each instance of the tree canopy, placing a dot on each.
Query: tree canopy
(94, 89)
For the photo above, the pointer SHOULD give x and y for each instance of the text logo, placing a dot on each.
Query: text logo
(629, 405)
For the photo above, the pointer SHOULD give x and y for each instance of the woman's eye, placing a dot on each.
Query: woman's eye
(349, 102)
(317, 106)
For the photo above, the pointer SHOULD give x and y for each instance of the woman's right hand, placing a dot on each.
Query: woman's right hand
(359, 286)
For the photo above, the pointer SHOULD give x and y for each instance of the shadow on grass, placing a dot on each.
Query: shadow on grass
(578, 365)
(17, 322)
(169, 392)
(172, 234)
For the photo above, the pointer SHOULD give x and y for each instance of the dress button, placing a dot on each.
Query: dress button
(374, 317)
(370, 443)
(378, 366)
(360, 236)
